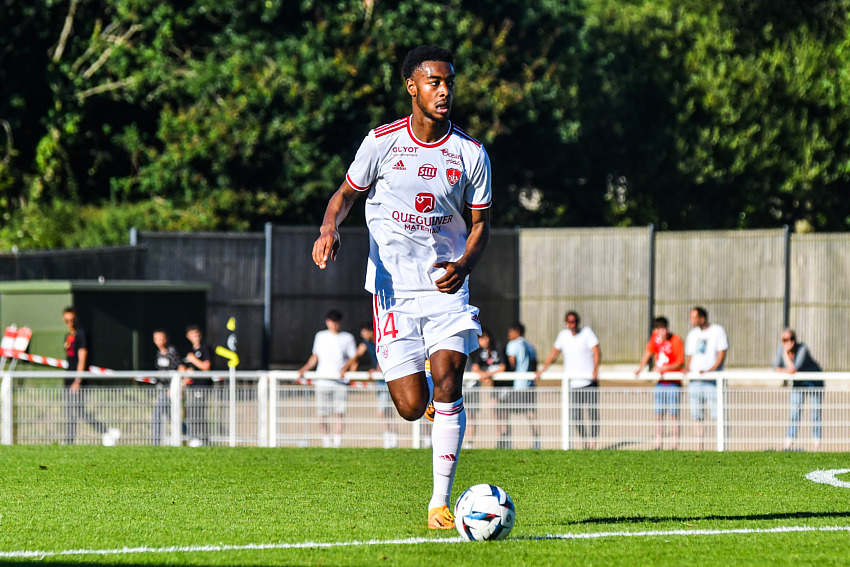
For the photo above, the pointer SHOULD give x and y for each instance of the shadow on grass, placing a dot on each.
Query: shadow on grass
(752, 517)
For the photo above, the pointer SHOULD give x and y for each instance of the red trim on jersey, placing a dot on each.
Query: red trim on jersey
(423, 144)
(390, 128)
(375, 319)
(354, 185)
(463, 134)
(477, 207)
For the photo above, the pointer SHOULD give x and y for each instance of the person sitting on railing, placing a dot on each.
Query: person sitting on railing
(793, 357)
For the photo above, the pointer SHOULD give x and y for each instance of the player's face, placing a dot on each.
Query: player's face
(696, 320)
(160, 340)
(194, 336)
(432, 88)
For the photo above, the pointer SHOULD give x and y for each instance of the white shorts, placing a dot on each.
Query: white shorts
(409, 330)
(331, 397)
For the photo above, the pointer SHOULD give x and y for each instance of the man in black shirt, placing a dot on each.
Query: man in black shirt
(197, 399)
(77, 355)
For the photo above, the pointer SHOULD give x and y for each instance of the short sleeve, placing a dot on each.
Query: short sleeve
(363, 171)
(722, 341)
(81, 340)
(591, 339)
(478, 190)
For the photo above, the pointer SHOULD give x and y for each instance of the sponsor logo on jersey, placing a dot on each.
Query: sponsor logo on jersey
(405, 150)
(453, 175)
(427, 171)
(400, 166)
(475, 318)
(413, 222)
(385, 352)
(424, 201)
(450, 155)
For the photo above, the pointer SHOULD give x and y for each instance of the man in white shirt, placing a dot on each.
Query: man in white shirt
(419, 175)
(582, 357)
(332, 349)
(705, 352)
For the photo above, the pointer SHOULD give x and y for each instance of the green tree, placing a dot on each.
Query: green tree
(222, 115)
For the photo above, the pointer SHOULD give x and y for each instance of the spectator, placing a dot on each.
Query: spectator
(582, 357)
(77, 355)
(366, 359)
(669, 353)
(793, 357)
(200, 389)
(167, 358)
(521, 398)
(332, 349)
(488, 360)
(705, 351)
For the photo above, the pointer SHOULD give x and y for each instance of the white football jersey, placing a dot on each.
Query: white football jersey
(417, 194)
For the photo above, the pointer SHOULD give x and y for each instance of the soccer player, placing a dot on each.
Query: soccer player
(419, 175)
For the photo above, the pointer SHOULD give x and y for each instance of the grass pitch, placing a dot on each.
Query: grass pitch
(345, 507)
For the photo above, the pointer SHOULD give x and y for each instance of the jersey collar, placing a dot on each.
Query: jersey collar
(426, 145)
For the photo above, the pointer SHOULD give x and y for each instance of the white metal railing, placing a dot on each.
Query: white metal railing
(276, 408)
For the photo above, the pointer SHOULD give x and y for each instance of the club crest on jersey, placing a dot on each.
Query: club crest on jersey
(427, 171)
(453, 175)
(425, 203)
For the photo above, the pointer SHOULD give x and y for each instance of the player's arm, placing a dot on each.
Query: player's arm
(203, 365)
(327, 244)
(718, 362)
(647, 354)
(309, 365)
(476, 242)
(597, 358)
(82, 358)
(553, 354)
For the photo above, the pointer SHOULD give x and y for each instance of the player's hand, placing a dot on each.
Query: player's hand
(454, 277)
(325, 248)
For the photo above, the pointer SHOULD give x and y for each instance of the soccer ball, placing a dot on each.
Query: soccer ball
(484, 512)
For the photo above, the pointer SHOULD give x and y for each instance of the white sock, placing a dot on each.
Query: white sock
(446, 440)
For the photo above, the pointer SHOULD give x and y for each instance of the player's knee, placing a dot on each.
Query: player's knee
(410, 411)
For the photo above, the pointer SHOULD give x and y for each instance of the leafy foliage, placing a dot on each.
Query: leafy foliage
(715, 114)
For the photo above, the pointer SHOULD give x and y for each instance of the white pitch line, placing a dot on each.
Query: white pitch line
(828, 477)
(409, 541)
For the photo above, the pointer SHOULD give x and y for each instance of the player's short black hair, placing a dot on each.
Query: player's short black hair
(334, 316)
(418, 55)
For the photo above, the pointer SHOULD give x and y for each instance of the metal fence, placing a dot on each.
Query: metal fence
(272, 409)
(752, 282)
